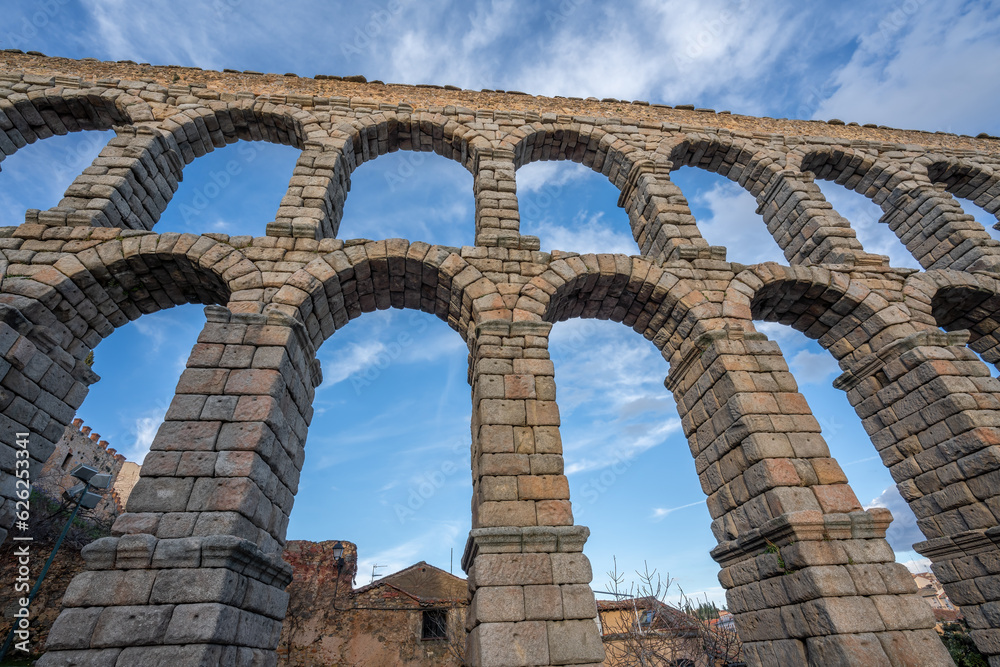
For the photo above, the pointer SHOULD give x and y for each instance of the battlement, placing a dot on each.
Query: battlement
(95, 438)
(80, 445)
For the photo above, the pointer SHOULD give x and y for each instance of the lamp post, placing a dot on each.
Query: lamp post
(81, 493)
(338, 556)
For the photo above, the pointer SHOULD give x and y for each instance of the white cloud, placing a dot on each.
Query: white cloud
(734, 223)
(912, 49)
(813, 368)
(384, 343)
(611, 396)
(144, 430)
(606, 364)
(351, 359)
(864, 460)
(585, 233)
(903, 532)
(549, 177)
(609, 449)
(782, 334)
(403, 555)
(918, 565)
(156, 34)
(154, 331)
(661, 513)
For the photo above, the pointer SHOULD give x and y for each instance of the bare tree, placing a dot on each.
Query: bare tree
(640, 629)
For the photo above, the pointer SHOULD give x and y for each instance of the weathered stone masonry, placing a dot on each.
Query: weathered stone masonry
(194, 574)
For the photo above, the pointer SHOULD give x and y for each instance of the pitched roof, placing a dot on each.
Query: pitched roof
(423, 582)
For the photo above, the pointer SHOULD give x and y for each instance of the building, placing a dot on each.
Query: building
(80, 445)
(646, 626)
(932, 592)
(665, 635)
(412, 617)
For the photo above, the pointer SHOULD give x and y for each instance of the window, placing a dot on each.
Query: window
(646, 619)
(435, 624)
(69, 457)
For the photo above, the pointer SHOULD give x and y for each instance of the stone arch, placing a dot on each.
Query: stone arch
(796, 213)
(134, 178)
(590, 146)
(630, 290)
(959, 301)
(367, 138)
(823, 304)
(965, 179)
(770, 482)
(321, 180)
(929, 222)
(43, 113)
(198, 131)
(104, 281)
(332, 290)
(57, 313)
(849, 167)
(739, 160)
(659, 216)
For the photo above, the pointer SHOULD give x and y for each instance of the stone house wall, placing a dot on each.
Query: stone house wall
(329, 623)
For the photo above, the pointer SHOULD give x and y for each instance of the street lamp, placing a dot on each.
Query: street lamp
(84, 497)
(338, 556)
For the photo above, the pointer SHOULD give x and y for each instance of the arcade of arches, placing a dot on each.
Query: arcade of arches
(193, 575)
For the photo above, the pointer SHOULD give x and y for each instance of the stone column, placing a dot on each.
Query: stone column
(128, 185)
(194, 573)
(658, 213)
(935, 229)
(805, 225)
(933, 412)
(498, 221)
(314, 204)
(808, 574)
(532, 603)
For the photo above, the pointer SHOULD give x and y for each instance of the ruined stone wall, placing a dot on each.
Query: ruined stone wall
(79, 445)
(194, 573)
(330, 623)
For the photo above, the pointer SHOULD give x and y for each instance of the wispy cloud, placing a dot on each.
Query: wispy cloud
(661, 513)
(813, 367)
(353, 358)
(143, 429)
(906, 47)
(606, 450)
(405, 554)
(549, 177)
(727, 215)
(903, 532)
(585, 233)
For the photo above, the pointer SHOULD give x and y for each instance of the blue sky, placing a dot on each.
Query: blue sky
(387, 462)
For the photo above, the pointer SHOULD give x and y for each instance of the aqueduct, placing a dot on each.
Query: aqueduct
(193, 575)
